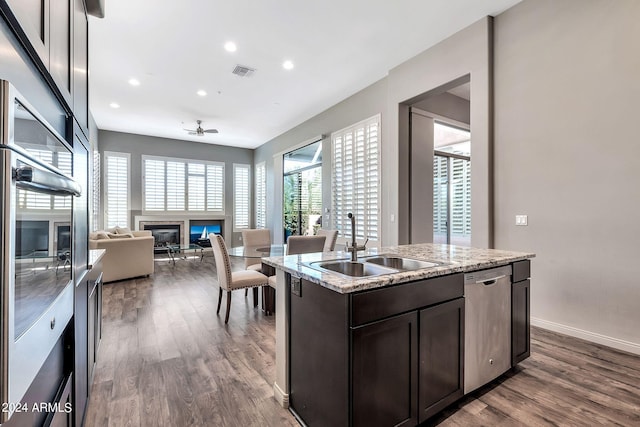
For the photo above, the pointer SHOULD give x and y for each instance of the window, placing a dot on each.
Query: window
(261, 195)
(174, 185)
(240, 196)
(116, 189)
(355, 178)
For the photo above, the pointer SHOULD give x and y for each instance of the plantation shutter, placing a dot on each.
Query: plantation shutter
(175, 186)
(356, 177)
(240, 196)
(154, 185)
(65, 164)
(117, 189)
(261, 195)
(215, 187)
(196, 187)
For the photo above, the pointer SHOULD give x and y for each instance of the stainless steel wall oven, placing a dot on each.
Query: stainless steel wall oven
(36, 189)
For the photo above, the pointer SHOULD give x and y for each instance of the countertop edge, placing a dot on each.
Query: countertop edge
(293, 264)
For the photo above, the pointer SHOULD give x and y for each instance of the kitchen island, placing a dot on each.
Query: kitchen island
(429, 324)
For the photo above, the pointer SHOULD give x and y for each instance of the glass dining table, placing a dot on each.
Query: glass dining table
(260, 251)
(257, 252)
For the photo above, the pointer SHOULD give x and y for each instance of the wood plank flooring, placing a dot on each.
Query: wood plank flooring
(167, 359)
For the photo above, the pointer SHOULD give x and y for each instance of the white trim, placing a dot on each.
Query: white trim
(612, 342)
(280, 396)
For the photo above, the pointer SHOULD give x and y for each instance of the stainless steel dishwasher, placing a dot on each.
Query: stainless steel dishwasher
(487, 326)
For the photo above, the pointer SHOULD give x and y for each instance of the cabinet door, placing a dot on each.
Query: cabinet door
(520, 321)
(384, 372)
(80, 66)
(33, 16)
(60, 45)
(441, 356)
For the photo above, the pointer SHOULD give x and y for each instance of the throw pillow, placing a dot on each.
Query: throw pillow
(122, 230)
(98, 235)
(120, 236)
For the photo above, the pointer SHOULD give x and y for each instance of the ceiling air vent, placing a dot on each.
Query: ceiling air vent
(243, 71)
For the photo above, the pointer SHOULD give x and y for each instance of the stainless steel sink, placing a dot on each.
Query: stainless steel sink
(400, 263)
(351, 268)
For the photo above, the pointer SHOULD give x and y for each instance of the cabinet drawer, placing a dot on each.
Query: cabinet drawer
(376, 304)
(521, 270)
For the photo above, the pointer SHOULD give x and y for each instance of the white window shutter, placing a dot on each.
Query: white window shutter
(261, 195)
(355, 178)
(117, 189)
(241, 196)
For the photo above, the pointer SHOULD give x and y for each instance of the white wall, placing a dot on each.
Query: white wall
(567, 88)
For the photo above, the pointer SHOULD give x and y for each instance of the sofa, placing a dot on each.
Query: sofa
(128, 253)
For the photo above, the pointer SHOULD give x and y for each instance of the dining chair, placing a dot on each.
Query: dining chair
(297, 245)
(255, 237)
(230, 281)
(332, 237)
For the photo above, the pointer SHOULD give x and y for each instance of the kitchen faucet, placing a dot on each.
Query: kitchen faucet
(354, 248)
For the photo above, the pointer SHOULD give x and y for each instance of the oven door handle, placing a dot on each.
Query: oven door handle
(43, 181)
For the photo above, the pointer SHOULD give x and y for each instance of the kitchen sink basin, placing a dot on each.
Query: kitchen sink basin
(400, 263)
(352, 268)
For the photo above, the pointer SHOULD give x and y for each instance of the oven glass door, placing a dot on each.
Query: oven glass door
(37, 264)
(42, 223)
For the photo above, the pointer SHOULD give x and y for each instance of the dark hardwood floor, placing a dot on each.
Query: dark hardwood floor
(167, 359)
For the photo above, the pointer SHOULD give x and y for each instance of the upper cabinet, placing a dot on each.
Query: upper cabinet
(33, 16)
(80, 66)
(60, 45)
(58, 31)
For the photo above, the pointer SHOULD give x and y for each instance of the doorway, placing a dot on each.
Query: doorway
(302, 190)
(451, 185)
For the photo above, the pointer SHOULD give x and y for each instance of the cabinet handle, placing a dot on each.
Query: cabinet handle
(53, 323)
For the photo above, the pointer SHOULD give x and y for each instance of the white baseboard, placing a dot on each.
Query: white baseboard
(616, 343)
(281, 397)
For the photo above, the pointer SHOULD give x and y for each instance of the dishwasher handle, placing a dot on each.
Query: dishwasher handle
(492, 280)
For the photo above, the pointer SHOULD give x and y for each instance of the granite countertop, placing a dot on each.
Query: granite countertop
(94, 256)
(457, 259)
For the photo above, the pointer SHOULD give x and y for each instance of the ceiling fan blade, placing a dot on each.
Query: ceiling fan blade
(211, 131)
(189, 130)
(193, 133)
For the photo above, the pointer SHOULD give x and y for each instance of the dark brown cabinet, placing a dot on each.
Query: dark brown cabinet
(389, 356)
(60, 45)
(520, 312)
(80, 66)
(33, 16)
(441, 357)
(385, 372)
(55, 34)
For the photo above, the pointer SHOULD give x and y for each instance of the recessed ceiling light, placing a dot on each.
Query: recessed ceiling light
(287, 65)
(201, 92)
(114, 105)
(134, 82)
(230, 47)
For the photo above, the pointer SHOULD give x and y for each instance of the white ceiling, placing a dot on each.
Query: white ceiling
(176, 48)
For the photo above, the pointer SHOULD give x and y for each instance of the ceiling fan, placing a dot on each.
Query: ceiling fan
(199, 131)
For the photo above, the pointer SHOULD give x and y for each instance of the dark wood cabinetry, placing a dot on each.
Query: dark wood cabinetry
(60, 45)
(441, 357)
(80, 66)
(389, 356)
(520, 312)
(385, 372)
(55, 34)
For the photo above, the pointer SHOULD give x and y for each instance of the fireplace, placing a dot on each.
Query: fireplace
(164, 234)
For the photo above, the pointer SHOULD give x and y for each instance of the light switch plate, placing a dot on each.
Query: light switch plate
(522, 219)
